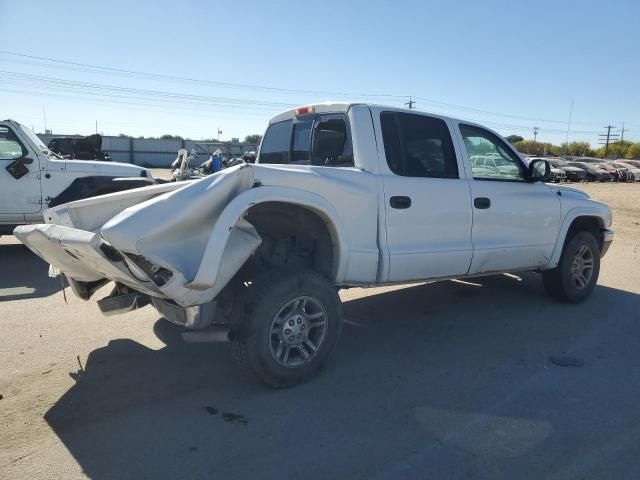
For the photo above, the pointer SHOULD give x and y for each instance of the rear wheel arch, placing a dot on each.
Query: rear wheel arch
(277, 221)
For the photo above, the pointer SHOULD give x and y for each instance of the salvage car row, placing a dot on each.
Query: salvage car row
(590, 169)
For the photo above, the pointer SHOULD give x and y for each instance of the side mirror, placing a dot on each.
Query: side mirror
(539, 171)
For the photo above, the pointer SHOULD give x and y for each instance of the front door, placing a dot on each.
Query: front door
(427, 203)
(21, 195)
(515, 222)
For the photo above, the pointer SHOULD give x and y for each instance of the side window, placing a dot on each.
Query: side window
(276, 143)
(500, 162)
(332, 141)
(418, 146)
(10, 146)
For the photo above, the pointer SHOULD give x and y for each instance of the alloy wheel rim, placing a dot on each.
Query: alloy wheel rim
(298, 331)
(582, 267)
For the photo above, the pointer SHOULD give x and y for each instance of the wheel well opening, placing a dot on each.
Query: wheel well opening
(589, 224)
(293, 236)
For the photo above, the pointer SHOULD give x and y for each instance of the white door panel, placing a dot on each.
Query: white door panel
(518, 230)
(18, 196)
(431, 238)
(515, 222)
(427, 206)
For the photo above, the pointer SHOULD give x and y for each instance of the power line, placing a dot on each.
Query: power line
(411, 102)
(199, 81)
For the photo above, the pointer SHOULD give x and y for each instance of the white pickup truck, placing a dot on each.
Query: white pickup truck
(32, 178)
(342, 195)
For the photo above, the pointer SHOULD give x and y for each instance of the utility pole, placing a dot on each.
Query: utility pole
(566, 138)
(535, 134)
(606, 138)
(96, 126)
(45, 119)
(621, 150)
(410, 103)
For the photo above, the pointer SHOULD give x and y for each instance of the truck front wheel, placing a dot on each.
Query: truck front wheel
(576, 275)
(291, 324)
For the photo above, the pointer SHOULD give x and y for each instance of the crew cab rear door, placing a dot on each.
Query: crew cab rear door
(426, 201)
(20, 190)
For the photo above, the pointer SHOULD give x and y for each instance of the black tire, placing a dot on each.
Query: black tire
(254, 338)
(560, 282)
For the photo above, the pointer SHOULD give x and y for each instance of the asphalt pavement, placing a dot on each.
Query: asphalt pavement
(486, 378)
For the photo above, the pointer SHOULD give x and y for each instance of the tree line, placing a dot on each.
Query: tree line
(254, 138)
(619, 149)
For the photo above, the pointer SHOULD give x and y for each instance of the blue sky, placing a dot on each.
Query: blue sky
(510, 65)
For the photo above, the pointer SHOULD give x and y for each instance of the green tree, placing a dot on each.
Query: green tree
(633, 152)
(579, 149)
(255, 138)
(512, 139)
(530, 147)
(167, 136)
(619, 149)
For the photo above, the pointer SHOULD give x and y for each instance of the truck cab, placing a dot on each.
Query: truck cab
(32, 178)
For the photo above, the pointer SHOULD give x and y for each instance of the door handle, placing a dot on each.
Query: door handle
(481, 203)
(400, 202)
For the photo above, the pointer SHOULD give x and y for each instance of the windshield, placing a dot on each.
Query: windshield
(34, 139)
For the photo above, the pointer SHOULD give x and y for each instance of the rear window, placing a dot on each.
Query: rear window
(276, 143)
(322, 139)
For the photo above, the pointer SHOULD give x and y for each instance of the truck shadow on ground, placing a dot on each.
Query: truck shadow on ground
(28, 276)
(441, 380)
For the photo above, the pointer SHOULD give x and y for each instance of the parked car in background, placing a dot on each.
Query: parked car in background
(593, 172)
(633, 172)
(574, 174)
(558, 175)
(492, 164)
(635, 163)
(617, 175)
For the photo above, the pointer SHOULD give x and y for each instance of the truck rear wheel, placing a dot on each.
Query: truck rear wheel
(576, 275)
(291, 325)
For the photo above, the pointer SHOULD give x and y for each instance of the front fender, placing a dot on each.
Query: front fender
(213, 255)
(598, 211)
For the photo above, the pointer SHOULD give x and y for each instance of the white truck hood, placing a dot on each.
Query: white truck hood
(92, 167)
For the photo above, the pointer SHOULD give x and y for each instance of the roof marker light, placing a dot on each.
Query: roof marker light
(304, 110)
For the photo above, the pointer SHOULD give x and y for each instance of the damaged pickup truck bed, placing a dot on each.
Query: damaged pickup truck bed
(342, 195)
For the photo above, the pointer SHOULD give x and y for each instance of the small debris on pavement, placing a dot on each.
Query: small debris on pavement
(234, 417)
(566, 361)
(211, 410)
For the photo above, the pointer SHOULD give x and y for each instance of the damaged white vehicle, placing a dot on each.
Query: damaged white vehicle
(342, 195)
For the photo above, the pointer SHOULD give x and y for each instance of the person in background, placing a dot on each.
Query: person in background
(216, 161)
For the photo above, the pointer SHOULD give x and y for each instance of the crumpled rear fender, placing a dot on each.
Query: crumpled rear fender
(214, 257)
